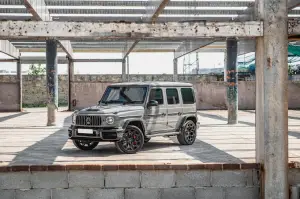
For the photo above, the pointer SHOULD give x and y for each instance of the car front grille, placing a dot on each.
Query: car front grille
(88, 120)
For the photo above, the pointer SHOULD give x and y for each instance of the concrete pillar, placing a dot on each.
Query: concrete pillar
(225, 65)
(197, 63)
(70, 83)
(259, 74)
(19, 76)
(124, 70)
(275, 99)
(175, 70)
(128, 76)
(52, 81)
(232, 81)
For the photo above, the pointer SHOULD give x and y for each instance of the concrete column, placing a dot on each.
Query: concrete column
(128, 76)
(70, 83)
(232, 82)
(175, 70)
(225, 65)
(19, 76)
(52, 81)
(276, 99)
(259, 74)
(197, 63)
(124, 70)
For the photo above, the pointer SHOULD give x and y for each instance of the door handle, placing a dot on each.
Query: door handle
(179, 113)
(163, 114)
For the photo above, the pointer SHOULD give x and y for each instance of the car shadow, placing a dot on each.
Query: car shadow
(56, 148)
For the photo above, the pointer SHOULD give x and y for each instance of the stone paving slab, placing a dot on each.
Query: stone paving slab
(24, 139)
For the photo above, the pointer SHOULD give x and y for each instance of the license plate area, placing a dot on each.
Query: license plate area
(85, 131)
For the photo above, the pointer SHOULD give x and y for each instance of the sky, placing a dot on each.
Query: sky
(140, 63)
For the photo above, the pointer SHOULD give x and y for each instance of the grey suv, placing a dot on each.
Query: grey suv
(129, 114)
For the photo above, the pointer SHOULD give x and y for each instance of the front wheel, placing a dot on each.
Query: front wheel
(188, 133)
(132, 140)
(85, 144)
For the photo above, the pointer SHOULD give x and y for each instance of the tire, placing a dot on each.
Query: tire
(188, 133)
(132, 140)
(85, 145)
(146, 140)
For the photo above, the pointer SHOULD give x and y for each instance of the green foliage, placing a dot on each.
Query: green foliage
(37, 70)
(291, 71)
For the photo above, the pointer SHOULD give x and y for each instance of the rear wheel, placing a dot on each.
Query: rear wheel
(132, 140)
(85, 144)
(188, 133)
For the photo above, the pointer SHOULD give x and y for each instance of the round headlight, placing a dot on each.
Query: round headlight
(110, 120)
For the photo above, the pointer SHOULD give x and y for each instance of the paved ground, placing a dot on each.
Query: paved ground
(24, 139)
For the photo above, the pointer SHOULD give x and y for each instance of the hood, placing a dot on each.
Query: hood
(112, 109)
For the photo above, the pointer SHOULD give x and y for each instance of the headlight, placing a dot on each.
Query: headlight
(110, 120)
(74, 118)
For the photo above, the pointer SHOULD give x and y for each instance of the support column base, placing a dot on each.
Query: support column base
(52, 110)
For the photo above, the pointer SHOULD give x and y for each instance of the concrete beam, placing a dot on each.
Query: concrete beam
(38, 9)
(7, 48)
(293, 4)
(129, 48)
(67, 47)
(60, 60)
(294, 28)
(190, 46)
(127, 31)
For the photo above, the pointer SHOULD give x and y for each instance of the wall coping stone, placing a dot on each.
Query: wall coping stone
(131, 167)
(124, 167)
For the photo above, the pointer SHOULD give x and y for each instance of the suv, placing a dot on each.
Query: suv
(129, 114)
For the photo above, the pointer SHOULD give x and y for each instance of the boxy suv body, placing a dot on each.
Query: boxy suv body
(129, 114)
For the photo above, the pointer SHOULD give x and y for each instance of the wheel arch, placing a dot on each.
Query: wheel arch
(135, 122)
(184, 119)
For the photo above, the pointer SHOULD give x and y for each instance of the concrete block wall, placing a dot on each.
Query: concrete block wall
(88, 89)
(228, 181)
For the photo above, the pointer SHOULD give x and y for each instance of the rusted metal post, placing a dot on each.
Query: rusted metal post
(19, 76)
(276, 99)
(225, 65)
(70, 83)
(175, 70)
(232, 82)
(52, 81)
(259, 80)
(124, 70)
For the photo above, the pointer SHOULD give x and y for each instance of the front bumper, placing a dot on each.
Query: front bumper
(99, 134)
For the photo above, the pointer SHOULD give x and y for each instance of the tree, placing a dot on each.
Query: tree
(37, 70)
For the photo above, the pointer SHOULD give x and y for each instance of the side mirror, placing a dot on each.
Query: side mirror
(152, 103)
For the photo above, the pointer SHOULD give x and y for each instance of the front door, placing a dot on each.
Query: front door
(156, 116)
(174, 107)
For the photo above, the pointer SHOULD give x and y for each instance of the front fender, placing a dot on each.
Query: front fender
(127, 121)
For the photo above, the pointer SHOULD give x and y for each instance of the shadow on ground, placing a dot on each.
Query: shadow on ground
(218, 117)
(48, 149)
(2, 119)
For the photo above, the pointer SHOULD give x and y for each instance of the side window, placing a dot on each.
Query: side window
(187, 96)
(172, 96)
(156, 94)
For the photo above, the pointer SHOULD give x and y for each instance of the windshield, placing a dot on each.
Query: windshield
(124, 95)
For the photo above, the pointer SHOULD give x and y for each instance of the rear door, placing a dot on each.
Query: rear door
(174, 107)
(156, 116)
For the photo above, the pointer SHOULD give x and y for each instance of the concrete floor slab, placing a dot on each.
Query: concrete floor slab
(25, 139)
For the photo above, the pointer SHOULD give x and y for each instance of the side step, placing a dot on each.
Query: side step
(163, 134)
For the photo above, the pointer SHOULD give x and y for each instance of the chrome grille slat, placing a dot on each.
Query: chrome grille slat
(83, 121)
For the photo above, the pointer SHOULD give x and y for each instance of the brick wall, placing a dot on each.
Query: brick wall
(230, 181)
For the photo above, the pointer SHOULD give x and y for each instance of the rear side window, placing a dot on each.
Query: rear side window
(156, 94)
(187, 96)
(172, 96)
